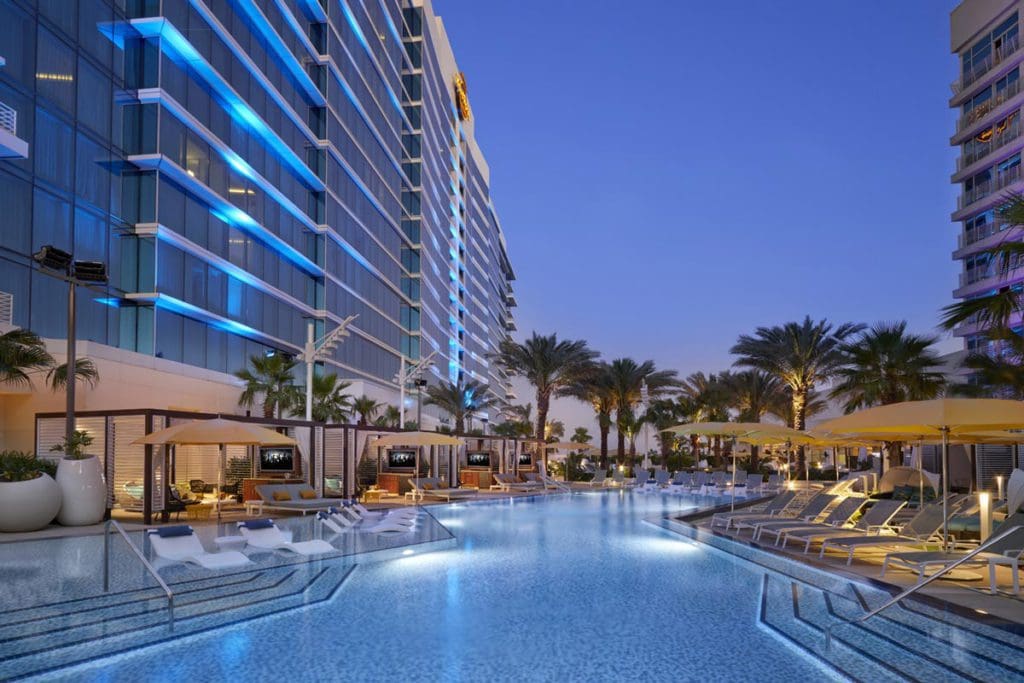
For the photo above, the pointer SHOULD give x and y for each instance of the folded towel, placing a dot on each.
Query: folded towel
(257, 524)
(172, 531)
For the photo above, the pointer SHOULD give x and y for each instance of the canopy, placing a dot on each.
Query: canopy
(216, 432)
(903, 476)
(932, 418)
(416, 439)
(716, 428)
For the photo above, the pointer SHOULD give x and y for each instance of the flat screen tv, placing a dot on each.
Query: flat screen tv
(277, 459)
(478, 459)
(525, 459)
(401, 460)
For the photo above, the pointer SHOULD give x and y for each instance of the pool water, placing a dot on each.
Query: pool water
(565, 587)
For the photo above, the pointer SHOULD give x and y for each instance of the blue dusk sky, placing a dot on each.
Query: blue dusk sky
(671, 174)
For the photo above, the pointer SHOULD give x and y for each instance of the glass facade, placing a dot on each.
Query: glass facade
(244, 167)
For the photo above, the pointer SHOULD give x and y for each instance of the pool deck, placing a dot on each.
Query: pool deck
(970, 598)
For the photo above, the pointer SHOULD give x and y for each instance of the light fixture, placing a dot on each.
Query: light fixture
(90, 271)
(985, 510)
(52, 258)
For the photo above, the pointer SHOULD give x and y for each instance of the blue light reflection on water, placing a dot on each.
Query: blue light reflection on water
(563, 588)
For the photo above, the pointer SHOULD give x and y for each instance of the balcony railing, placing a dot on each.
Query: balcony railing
(998, 56)
(968, 238)
(979, 112)
(1008, 135)
(8, 119)
(982, 190)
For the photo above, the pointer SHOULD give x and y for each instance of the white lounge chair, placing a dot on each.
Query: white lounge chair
(338, 522)
(808, 514)
(180, 544)
(923, 528)
(352, 512)
(874, 521)
(264, 534)
(394, 513)
(600, 479)
(765, 510)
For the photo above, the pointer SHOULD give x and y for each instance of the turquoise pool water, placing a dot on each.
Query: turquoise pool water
(560, 588)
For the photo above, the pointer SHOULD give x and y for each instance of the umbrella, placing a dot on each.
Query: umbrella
(218, 432)
(570, 445)
(943, 417)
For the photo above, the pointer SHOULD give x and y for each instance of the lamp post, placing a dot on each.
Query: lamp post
(411, 373)
(61, 265)
(317, 350)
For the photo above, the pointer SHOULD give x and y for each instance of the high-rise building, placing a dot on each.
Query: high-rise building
(244, 167)
(987, 96)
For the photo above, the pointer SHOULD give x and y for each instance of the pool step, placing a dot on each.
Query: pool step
(127, 622)
(780, 614)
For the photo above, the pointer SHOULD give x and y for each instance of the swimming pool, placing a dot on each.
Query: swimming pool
(558, 588)
(561, 587)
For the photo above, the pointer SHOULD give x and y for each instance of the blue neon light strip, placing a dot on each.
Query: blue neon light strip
(174, 305)
(177, 46)
(313, 10)
(225, 210)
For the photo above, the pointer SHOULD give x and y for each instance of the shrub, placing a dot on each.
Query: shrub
(21, 466)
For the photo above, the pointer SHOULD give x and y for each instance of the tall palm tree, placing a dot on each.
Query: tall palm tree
(550, 365)
(801, 354)
(554, 431)
(460, 400)
(708, 402)
(627, 377)
(270, 379)
(598, 389)
(366, 408)
(330, 402)
(884, 365)
(662, 414)
(581, 435)
(21, 353)
(753, 393)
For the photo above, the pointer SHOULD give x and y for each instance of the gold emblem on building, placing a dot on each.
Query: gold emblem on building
(461, 97)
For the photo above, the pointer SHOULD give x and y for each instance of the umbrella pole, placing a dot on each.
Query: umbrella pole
(732, 503)
(220, 476)
(945, 487)
(920, 473)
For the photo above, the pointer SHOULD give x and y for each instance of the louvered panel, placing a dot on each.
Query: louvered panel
(49, 433)
(333, 473)
(128, 461)
(158, 486)
(993, 460)
(108, 459)
(318, 447)
(196, 462)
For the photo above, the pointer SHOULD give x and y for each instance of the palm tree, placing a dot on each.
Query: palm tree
(391, 417)
(627, 378)
(708, 402)
(884, 365)
(801, 354)
(366, 408)
(21, 353)
(598, 390)
(85, 371)
(270, 378)
(581, 435)
(460, 401)
(662, 414)
(753, 393)
(330, 402)
(554, 431)
(550, 365)
(996, 375)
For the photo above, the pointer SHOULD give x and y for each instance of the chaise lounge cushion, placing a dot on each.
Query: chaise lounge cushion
(173, 531)
(281, 496)
(307, 494)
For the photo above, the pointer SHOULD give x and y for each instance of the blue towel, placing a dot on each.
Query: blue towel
(257, 524)
(172, 531)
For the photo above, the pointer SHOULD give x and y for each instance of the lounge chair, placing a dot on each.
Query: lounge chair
(264, 534)
(841, 514)
(337, 521)
(923, 528)
(773, 507)
(600, 479)
(509, 482)
(180, 544)
(774, 482)
(1007, 552)
(394, 513)
(433, 487)
(699, 481)
(680, 483)
(872, 522)
(661, 478)
(753, 483)
(349, 509)
(292, 498)
(544, 481)
(808, 514)
(620, 479)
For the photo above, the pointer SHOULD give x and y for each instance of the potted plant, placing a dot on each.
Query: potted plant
(80, 478)
(29, 497)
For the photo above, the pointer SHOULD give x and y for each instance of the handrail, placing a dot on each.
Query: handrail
(142, 558)
(921, 584)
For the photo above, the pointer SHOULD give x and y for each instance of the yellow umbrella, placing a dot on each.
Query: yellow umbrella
(942, 417)
(570, 445)
(216, 432)
(417, 439)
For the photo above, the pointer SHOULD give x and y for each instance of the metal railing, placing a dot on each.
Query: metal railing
(983, 109)
(112, 524)
(922, 583)
(981, 150)
(998, 56)
(8, 119)
(982, 190)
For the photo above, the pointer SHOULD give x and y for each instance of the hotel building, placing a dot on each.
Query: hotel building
(244, 167)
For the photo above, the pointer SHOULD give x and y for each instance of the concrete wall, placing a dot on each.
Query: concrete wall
(971, 16)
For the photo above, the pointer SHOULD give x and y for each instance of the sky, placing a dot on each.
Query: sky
(672, 174)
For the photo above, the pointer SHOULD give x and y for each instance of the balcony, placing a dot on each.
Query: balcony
(510, 299)
(11, 146)
(966, 239)
(980, 151)
(983, 109)
(990, 277)
(982, 190)
(998, 56)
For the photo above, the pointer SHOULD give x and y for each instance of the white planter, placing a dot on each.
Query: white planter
(83, 492)
(28, 505)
